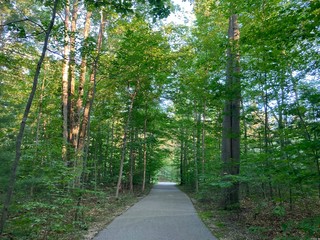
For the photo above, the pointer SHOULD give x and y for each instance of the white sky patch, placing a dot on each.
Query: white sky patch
(183, 15)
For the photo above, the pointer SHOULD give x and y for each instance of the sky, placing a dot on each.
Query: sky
(184, 16)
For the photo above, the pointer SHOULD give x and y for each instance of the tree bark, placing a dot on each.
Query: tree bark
(85, 126)
(65, 82)
(89, 102)
(82, 79)
(23, 122)
(231, 120)
(72, 103)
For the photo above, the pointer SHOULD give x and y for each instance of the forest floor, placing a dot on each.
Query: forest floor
(61, 218)
(67, 219)
(261, 220)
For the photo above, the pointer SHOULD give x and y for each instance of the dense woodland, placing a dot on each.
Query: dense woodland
(106, 96)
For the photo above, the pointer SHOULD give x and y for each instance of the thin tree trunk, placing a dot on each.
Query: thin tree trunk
(231, 120)
(131, 160)
(23, 123)
(106, 153)
(124, 144)
(203, 143)
(144, 153)
(195, 151)
(185, 157)
(182, 163)
(266, 136)
(112, 149)
(245, 133)
(65, 82)
(38, 126)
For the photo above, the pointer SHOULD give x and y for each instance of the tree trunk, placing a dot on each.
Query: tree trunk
(195, 150)
(203, 143)
(23, 123)
(231, 120)
(111, 150)
(124, 143)
(266, 135)
(90, 98)
(131, 160)
(39, 116)
(144, 152)
(65, 82)
(182, 163)
(72, 69)
(88, 107)
(82, 79)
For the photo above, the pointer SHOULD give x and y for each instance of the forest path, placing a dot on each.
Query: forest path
(165, 214)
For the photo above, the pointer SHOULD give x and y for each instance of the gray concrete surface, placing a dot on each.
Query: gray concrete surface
(165, 214)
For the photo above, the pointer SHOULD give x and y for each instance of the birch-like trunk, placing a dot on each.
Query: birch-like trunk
(65, 82)
(72, 70)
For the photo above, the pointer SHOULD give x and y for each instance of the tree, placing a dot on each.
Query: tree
(230, 153)
(24, 120)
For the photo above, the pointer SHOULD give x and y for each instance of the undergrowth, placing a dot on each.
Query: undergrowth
(66, 215)
(259, 219)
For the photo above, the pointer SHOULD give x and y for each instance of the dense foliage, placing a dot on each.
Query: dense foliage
(125, 99)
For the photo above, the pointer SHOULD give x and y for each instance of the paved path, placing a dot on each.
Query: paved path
(165, 214)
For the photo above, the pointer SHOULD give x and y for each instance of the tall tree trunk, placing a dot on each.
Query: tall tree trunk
(82, 79)
(39, 116)
(182, 163)
(91, 94)
(23, 123)
(65, 82)
(245, 133)
(203, 143)
(72, 73)
(124, 143)
(111, 149)
(196, 145)
(144, 152)
(131, 159)
(231, 119)
(185, 157)
(266, 135)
